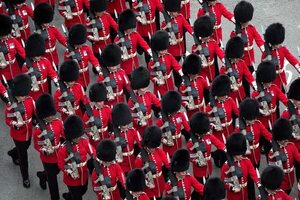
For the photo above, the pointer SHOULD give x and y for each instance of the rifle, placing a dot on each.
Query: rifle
(235, 172)
(295, 119)
(200, 149)
(76, 56)
(48, 137)
(17, 21)
(140, 108)
(191, 93)
(124, 44)
(168, 129)
(232, 74)
(238, 32)
(94, 122)
(67, 96)
(69, 4)
(110, 84)
(43, 32)
(203, 52)
(178, 192)
(205, 7)
(218, 113)
(74, 158)
(149, 169)
(248, 135)
(279, 156)
(143, 10)
(264, 98)
(270, 57)
(34, 74)
(105, 182)
(171, 27)
(3, 52)
(160, 69)
(120, 143)
(96, 25)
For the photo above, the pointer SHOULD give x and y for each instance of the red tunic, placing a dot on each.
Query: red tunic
(84, 148)
(293, 156)
(13, 47)
(77, 12)
(115, 173)
(248, 171)
(230, 108)
(277, 194)
(252, 35)
(208, 69)
(24, 132)
(185, 9)
(141, 196)
(206, 170)
(148, 99)
(180, 120)
(218, 10)
(79, 95)
(51, 2)
(171, 64)
(46, 70)
(104, 34)
(1, 7)
(2, 89)
(129, 64)
(286, 114)
(238, 94)
(56, 126)
(199, 84)
(150, 27)
(160, 159)
(178, 48)
(87, 56)
(117, 6)
(105, 117)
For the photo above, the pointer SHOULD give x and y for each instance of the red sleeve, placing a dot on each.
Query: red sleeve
(164, 158)
(89, 148)
(252, 171)
(168, 187)
(92, 57)
(20, 50)
(215, 141)
(247, 74)
(2, 89)
(36, 132)
(29, 11)
(185, 122)
(86, 4)
(227, 14)
(159, 5)
(142, 43)
(113, 24)
(296, 154)
(120, 175)
(56, 100)
(232, 34)
(189, 145)
(175, 64)
(257, 37)
(100, 78)
(126, 82)
(159, 122)
(200, 12)
(224, 169)
(290, 57)
(8, 120)
(219, 51)
(137, 138)
(285, 114)
(138, 162)
(234, 108)
(60, 37)
(61, 158)
(198, 187)
(281, 96)
(51, 72)
(155, 101)
(186, 25)
(223, 70)
(265, 133)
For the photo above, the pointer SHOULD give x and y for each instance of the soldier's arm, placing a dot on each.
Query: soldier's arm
(142, 43)
(51, 72)
(220, 53)
(226, 13)
(113, 23)
(265, 133)
(296, 154)
(281, 96)
(29, 11)
(20, 50)
(291, 58)
(252, 172)
(175, 65)
(186, 25)
(60, 37)
(235, 109)
(215, 141)
(164, 158)
(258, 39)
(120, 175)
(36, 132)
(198, 187)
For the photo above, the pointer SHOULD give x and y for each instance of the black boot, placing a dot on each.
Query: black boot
(14, 156)
(67, 196)
(43, 179)
(26, 183)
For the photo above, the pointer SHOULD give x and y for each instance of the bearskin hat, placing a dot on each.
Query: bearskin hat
(214, 189)
(235, 48)
(249, 109)
(220, 86)
(17, 1)
(275, 34)
(98, 5)
(203, 27)
(199, 123)
(45, 106)
(77, 35)
(243, 12)
(73, 127)
(136, 181)
(191, 64)
(69, 71)
(152, 137)
(180, 160)
(172, 5)
(111, 55)
(236, 144)
(266, 72)
(97, 92)
(294, 91)
(127, 20)
(21, 85)
(160, 40)
(282, 129)
(35, 46)
(43, 13)
(106, 150)
(171, 102)
(5, 24)
(140, 78)
(272, 177)
(168, 198)
(121, 115)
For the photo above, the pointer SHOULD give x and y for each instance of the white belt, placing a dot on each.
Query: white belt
(150, 21)
(176, 136)
(185, 2)
(118, 93)
(248, 48)
(269, 112)
(217, 26)
(50, 50)
(194, 155)
(157, 175)
(24, 27)
(227, 123)
(10, 62)
(167, 76)
(145, 116)
(129, 153)
(42, 81)
(111, 189)
(77, 13)
(255, 146)
(132, 55)
(176, 41)
(81, 164)
(83, 69)
(279, 71)
(288, 170)
(103, 38)
(208, 64)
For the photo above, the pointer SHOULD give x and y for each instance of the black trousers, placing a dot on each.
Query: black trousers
(250, 185)
(76, 192)
(195, 195)
(245, 82)
(21, 148)
(141, 51)
(51, 172)
(177, 77)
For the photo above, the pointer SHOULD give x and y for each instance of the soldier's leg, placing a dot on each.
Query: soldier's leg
(43, 179)
(14, 156)
(74, 193)
(177, 77)
(196, 195)
(22, 147)
(52, 172)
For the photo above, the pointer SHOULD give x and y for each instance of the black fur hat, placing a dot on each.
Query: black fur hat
(98, 5)
(294, 90)
(203, 26)
(236, 144)
(77, 35)
(152, 137)
(171, 102)
(191, 64)
(35, 46)
(45, 106)
(243, 12)
(121, 115)
(111, 55)
(17, 1)
(249, 109)
(214, 189)
(97, 92)
(172, 5)
(43, 13)
(140, 78)
(275, 34)
(5, 24)
(282, 129)
(272, 177)
(180, 160)
(160, 40)
(199, 123)
(220, 86)
(235, 48)
(73, 127)
(266, 72)
(21, 85)
(106, 150)
(136, 181)
(127, 20)
(69, 71)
